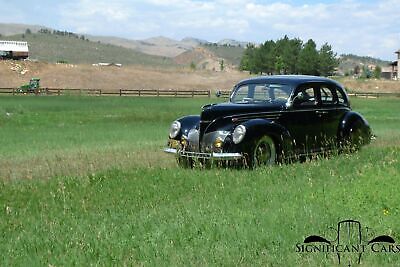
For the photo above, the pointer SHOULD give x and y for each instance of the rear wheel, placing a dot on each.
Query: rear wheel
(357, 137)
(354, 140)
(263, 153)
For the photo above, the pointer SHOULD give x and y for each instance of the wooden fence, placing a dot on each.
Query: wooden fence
(120, 92)
(155, 92)
(374, 95)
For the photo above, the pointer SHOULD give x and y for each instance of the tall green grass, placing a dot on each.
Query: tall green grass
(153, 213)
(47, 136)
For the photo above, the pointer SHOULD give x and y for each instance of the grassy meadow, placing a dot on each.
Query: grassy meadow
(84, 181)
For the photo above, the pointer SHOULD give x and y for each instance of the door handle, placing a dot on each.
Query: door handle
(320, 112)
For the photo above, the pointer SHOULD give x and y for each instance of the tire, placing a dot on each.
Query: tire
(355, 139)
(263, 153)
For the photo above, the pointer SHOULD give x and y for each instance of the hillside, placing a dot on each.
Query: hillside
(347, 62)
(159, 46)
(14, 28)
(70, 49)
(233, 54)
(154, 52)
(16, 73)
(54, 48)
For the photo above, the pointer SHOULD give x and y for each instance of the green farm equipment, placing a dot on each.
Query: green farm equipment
(32, 87)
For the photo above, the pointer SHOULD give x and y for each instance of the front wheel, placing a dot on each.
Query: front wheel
(186, 163)
(263, 153)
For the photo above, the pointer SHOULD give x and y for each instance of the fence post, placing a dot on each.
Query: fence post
(120, 92)
(58, 91)
(176, 92)
(139, 92)
(13, 91)
(209, 93)
(158, 92)
(193, 93)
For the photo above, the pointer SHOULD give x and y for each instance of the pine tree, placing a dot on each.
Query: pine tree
(289, 56)
(327, 60)
(308, 59)
(377, 72)
(267, 57)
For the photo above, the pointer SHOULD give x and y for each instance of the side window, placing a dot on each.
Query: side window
(306, 97)
(280, 93)
(241, 93)
(260, 93)
(327, 96)
(341, 97)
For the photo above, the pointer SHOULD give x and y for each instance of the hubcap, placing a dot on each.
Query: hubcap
(263, 154)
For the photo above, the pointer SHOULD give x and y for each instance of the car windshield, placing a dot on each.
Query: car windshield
(258, 93)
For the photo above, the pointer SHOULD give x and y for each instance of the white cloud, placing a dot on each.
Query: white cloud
(350, 26)
(115, 11)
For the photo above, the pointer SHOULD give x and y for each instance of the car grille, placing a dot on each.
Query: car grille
(203, 126)
(193, 140)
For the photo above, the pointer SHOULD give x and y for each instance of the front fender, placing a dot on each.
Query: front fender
(257, 128)
(187, 123)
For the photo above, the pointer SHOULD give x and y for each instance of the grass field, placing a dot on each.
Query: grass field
(84, 182)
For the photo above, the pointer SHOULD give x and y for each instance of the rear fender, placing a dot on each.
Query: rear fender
(351, 122)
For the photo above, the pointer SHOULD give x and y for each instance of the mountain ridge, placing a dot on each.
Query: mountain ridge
(157, 45)
(160, 50)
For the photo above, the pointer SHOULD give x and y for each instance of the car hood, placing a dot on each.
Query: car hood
(213, 111)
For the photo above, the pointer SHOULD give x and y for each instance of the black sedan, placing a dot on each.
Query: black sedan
(270, 119)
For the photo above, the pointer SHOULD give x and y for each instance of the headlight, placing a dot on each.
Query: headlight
(175, 128)
(238, 134)
(218, 143)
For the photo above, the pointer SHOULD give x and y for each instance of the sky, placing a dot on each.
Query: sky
(366, 28)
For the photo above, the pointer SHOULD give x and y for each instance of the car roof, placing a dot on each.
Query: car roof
(288, 79)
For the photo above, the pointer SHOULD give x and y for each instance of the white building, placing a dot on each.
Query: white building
(14, 49)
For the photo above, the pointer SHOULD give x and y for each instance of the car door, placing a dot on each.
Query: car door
(303, 119)
(331, 112)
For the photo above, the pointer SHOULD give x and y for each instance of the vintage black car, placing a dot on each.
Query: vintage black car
(270, 119)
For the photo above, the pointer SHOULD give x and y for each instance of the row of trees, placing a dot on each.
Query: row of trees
(61, 33)
(289, 56)
(365, 73)
(221, 45)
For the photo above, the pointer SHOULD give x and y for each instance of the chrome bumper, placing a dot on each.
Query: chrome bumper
(199, 155)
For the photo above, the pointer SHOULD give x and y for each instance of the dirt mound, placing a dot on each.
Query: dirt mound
(203, 59)
(16, 73)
